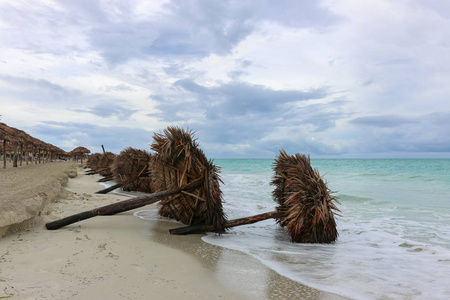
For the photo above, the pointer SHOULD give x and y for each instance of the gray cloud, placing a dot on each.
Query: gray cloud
(39, 90)
(107, 109)
(238, 98)
(236, 113)
(391, 133)
(384, 121)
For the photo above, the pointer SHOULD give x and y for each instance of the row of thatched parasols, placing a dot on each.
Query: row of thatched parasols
(187, 184)
(21, 146)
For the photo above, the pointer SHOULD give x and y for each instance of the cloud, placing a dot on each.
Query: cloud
(38, 90)
(108, 109)
(242, 115)
(390, 133)
(238, 98)
(385, 121)
(114, 138)
(177, 28)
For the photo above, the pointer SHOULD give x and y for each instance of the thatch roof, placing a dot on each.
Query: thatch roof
(104, 164)
(16, 136)
(130, 170)
(92, 161)
(79, 151)
(177, 161)
(306, 205)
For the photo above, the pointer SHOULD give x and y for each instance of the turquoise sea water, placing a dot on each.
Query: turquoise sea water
(394, 233)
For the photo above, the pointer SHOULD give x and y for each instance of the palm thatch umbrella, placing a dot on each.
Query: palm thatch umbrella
(101, 164)
(178, 161)
(105, 163)
(130, 170)
(92, 161)
(305, 204)
(79, 152)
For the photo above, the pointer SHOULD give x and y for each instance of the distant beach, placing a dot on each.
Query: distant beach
(115, 257)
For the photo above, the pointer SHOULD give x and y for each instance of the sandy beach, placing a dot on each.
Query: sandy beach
(114, 257)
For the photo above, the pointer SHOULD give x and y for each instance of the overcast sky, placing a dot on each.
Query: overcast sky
(338, 78)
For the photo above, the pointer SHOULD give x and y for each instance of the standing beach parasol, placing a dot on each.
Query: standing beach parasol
(79, 152)
(305, 204)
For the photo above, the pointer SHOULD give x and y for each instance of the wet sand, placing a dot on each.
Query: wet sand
(122, 256)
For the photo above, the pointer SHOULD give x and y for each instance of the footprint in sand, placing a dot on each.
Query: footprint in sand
(102, 247)
(111, 255)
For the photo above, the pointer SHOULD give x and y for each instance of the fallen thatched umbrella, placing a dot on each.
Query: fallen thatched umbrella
(92, 161)
(178, 161)
(182, 177)
(104, 164)
(130, 170)
(305, 204)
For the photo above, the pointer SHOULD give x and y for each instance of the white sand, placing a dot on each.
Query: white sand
(125, 257)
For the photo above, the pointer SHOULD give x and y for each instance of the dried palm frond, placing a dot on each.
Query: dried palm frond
(93, 160)
(104, 164)
(306, 205)
(178, 161)
(130, 170)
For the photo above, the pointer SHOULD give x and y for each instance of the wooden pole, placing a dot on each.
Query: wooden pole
(121, 206)
(21, 153)
(231, 223)
(109, 189)
(16, 146)
(104, 179)
(4, 154)
(104, 152)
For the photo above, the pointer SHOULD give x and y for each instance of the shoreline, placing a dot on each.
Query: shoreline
(126, 257)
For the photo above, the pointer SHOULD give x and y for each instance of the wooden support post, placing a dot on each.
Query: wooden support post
(121, 206)
(231, 223)
(16, 146)
(109, 189)
(21, 153)
(4, 154)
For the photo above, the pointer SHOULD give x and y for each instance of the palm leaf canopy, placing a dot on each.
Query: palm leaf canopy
(305, 204)
(178, 161)
(130, 170)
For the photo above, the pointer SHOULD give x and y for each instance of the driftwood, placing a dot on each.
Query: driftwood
(122, 206)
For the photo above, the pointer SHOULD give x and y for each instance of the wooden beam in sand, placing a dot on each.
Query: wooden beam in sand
(122, 206)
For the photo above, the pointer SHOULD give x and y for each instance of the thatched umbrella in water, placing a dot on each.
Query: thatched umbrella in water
(179, 161)
(182, 178)
(305, 204)
(130, 170)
